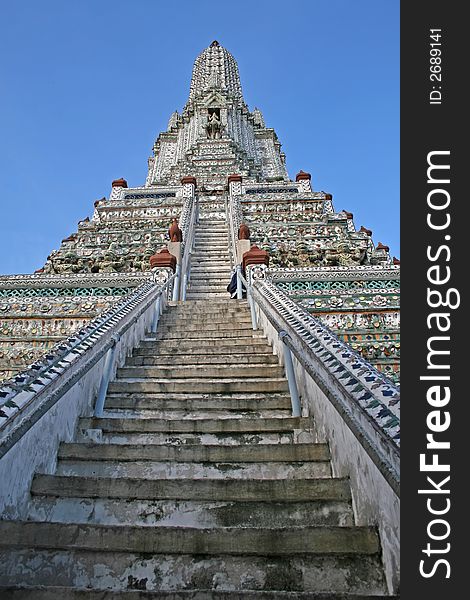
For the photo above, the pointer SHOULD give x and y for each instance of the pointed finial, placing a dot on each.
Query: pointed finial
(214, 44)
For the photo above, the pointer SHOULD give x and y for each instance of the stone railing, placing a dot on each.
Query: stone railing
(40, 406)
(235, 218)
(355, 408)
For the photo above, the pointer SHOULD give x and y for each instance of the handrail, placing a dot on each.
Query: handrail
(235, 220)
(367, 400)
(188, 249)
(49, 378)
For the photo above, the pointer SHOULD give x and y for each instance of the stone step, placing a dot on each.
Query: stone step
(220, 260)
(74, 451)
(183, 320)
(212, 347)
(209, 284)
(209, 425)
(184, 359)
(206, 324)
(215, 252)
(206, 295)
(215, 490)
(163, 575)
(190, 513)
(217, 304)
(59, 593)
(204, 319)
(223, 269)
(184, 414)
(204, 439)
(198, 276)
(207, 233)
(195, 308)
(285, 541)
(193, 470)
(204, 345)
(206, 287)
(201, 371)
(203, 260)
(240, 331)
(189, 385)
(227, 402)
(231, 312)
(201, 279)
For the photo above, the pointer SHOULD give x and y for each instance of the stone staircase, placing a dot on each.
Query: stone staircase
(197, 483)
(210, 263)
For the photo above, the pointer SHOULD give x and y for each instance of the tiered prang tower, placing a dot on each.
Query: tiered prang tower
(159, 438)
(317, 255)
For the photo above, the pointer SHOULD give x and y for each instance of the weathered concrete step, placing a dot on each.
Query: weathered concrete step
(198, 291)
(211, 284)
(206, 234)
(201, 327)
(212, 251)
(189, 385)
(206, 295)
(242, 330)
(201, 439)
(197, 425)
(227, 359)
(185, 414)
(219, 260)
(202, 371)
(195, 310)
(209, 240)
(286, 541)
(193, 453)
(190, 513)
(200, 275)
(214, 577)
(183, 320)
(194, 402)
(212, 246)
(59, 593)
(210, 234)
(203, 316)
(223, 270)
(194, 470)
(209, 281)
(204, 346)
(228, 490)
(224, 257)
(218, 306)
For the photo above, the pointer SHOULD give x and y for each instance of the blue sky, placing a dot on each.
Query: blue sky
(86, 86)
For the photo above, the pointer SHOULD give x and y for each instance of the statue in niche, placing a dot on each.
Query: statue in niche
(214, 126)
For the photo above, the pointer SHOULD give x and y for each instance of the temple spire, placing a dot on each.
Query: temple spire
(215, 67)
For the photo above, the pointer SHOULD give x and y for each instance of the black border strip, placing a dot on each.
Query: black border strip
(428, 128)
